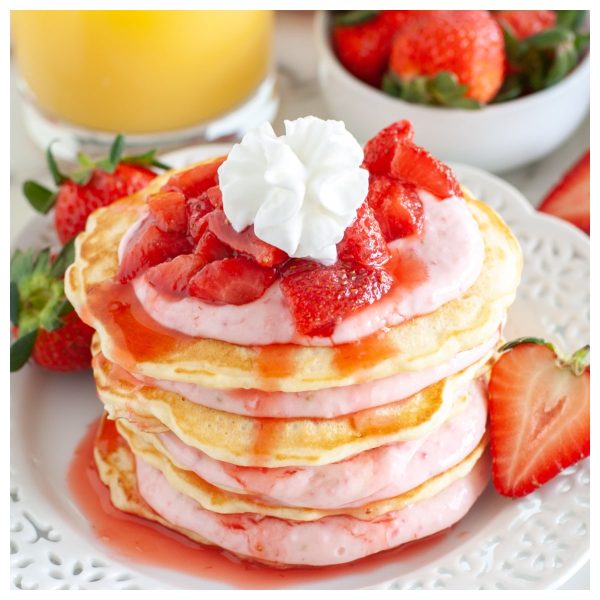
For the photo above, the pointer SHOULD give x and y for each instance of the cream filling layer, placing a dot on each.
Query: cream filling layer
(327, 541)
(382, 472)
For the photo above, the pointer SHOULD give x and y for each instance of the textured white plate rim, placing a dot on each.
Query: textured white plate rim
(47, 528)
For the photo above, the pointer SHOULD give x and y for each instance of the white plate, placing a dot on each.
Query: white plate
(536, 542)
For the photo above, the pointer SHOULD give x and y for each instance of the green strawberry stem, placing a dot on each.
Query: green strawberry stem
(578, 362)
(441, 89)
(354, 17)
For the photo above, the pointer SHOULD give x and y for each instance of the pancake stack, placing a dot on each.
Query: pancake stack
(288, 454)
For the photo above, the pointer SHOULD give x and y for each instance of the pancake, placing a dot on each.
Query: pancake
(276, 541)
(131, 339)
(382, 472)
(279, 442)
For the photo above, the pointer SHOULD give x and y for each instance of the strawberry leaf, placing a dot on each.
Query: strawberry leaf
(15, 303)
(57, 176)
(42, 262)
(65, 309)
(354, 17)
(147, 159)
(21, 350)
(64, 259)
(570, 19)
(41, 198)
(114, 155)
(21, 264)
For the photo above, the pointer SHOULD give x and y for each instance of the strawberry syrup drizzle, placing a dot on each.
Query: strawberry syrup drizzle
(134, 539)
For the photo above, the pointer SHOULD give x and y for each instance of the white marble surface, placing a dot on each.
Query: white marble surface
(297, 67)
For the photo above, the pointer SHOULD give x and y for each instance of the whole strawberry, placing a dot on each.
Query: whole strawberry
(452, 58)
(363, 40)
(539, 404)
(93, 185)
(542, 47)
(44, 322)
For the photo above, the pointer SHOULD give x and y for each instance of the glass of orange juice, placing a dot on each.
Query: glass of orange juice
(160, 77)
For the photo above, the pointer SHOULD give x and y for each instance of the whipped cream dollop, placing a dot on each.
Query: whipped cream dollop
(300, 190)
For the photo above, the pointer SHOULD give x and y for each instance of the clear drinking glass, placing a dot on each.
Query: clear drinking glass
(161, 77)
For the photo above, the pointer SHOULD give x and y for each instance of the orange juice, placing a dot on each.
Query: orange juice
(141, 71)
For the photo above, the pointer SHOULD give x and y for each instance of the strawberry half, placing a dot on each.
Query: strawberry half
(415, 165)
(93, 185)
(236, 280)
(47, 327)
(570, 199)
(539, 405)
(321, 296)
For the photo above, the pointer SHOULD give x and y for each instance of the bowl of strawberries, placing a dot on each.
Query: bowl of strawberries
(495, 89)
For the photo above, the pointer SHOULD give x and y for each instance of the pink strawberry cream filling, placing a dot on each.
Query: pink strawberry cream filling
(326, 403)
(327, 541)
(383, 472)
(438, 266)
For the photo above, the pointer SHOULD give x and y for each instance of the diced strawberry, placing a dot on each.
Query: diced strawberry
(379, 150)
(539, 408)
(570, 199)
(237, 280)
(415, 165)
(211, 248)
(174, 275)
(196, 180)
(320, 297)
(396, 206)
(197, 209)
(148, 247)
(169, 211)
(245, 241)
(214, 196)
(363, 241)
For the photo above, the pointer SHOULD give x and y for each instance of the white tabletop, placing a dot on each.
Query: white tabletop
(296, 61)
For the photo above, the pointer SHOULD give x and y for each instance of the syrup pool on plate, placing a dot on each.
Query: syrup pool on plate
(131, 539)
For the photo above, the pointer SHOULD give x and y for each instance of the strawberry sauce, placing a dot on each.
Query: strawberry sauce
(138, 541)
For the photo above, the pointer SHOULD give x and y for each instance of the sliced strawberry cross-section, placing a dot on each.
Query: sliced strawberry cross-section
(169, 211)
(150, 246)
(396, 206)
(413, 164)
(196, 180)
(379, 150)
(245, 241)
(539, 414)
(173, 276)
(363, 241)
(236, 280)
(321, 296)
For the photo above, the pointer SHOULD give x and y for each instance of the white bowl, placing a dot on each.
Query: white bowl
(497, 138)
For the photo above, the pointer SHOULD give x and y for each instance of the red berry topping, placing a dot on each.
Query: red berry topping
(539, 414)
(174, 275)
(363, 241)
(245, 241)
(320, 297)
(379, 150)
(396, 206)
(211, 248)
(237, 280)
(169, 211)
(150, 246)
(415, 165)
(192, 182)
